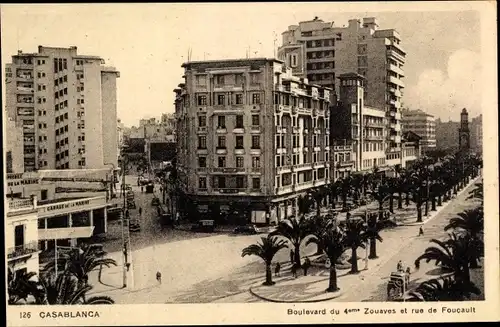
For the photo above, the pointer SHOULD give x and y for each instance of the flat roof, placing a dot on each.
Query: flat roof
(65, 233)
(230, 61)
(44, 202)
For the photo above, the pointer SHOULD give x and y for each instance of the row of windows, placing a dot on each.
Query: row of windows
(61, 130)
(222, 99)
(61, 80)
(321, 65)
(280, 141)
(221, 162)
(221, 121)
(221, 142)
(321, 43)
(61, 93)
(60, 64)
(286, 160)
(62, 155)
(229, 182)
(321, 54)
(61, 118)
(62, 143)
(373, 146)
(63, 166)
(61, 105)
(368, 163)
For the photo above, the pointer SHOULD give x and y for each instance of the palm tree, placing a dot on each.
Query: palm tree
(331, 240)
(295, 230)
(443, 289)
(82, 261)
(391, 187)
(453, 255)
(401, 187)
(20, 285)
(64, 289)
(318, 194)
(318, 224)
(266, 251)
(372, 233)
(477, 192)
(355, 237)
(381, 194)
(335, 191)
(303, 205)
(472, 223)
(345, 190)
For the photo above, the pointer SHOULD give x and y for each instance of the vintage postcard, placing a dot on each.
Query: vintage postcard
(236, 163)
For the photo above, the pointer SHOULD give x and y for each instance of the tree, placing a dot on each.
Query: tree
(453, 255)
(317, 226)
(331, 240)
(477, 192)
(472, 223)
(391, 185)
(81, 262)
(295, 230)
(381, 194)
(318, 195)
(443, 289)
(334, 191)
(355, 237)
(266, 250)
(64, 289)
(20, 285)
(345, 190)
(304, 205)
(372, 233)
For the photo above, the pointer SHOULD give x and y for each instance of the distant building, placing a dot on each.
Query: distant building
(14, 148)
(422, 124)
(252, 138)
(447, 135)
(66, 105)
(464, 132)
(476, 133)
(153, 130)
(322, 52)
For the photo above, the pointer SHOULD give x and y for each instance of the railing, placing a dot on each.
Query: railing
(284, 169)
(345, 163)
(21, 250)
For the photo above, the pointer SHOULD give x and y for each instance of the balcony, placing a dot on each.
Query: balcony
(255, 170)
(305, 131)
(230, 190)
(285, 189)
(220, 150)
(228, 87)
(368, 124)
(255, 129)
(396, 81)
(304, 185)
(317, 131)
(295, 110)
(281, 151)
(394, 54)
(239, 151)
(284, 169)
(25, 90)
(228, 170)
(25, 77)
(396, 69)
(295, 150)
(239, 130)
(295, 130)
(373, 137)
(346, 163)
(20, 251)
(302, 166)
(280, 130)
(202, 129)
(221, 130)
(21, 204)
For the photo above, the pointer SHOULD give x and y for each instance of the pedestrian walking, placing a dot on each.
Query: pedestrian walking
(158, 276)
(140, 211)
(420, 231)
(408, 273)
(306, 265)
(142, 189)
(277, 269)
(294, 270)
(292, 257)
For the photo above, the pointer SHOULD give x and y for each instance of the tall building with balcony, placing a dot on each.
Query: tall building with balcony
(321, 52)
(252, 137)
(422, 124)
(66, 105)
(362, 126)
(21, 235)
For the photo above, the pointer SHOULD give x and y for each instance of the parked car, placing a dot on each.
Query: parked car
(150, 188)
(247, 229)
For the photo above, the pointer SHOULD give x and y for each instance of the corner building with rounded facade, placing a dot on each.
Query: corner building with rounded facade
(251, 138)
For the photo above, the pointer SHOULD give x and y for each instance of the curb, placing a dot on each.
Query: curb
(333, 296)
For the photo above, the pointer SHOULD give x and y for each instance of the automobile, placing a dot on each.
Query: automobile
(150, 188)
(155, 201)
(143, 180)
(247, 229)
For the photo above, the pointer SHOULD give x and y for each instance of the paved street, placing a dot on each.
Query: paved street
(200, 267)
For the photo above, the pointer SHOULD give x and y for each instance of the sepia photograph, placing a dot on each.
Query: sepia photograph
(326, 159)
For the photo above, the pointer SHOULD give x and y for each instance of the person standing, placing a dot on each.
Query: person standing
(292, 257)
(140, 212)
(306, 265)
(158, 276)
(277, 269)
(399, 267)
(142, 189)
(294, 270)
(420, 231)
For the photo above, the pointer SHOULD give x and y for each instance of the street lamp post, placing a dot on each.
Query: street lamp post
(123, 221)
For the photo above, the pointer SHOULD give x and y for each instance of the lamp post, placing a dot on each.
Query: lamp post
(112, 183)
(123, 220)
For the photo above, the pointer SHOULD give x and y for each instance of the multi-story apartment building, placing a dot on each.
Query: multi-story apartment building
(321, 52)
(422, 124)
(66, 103)
(341, 159)
(251, 138)
(476, 133)
(363, 126)
(154, 130)
(447, 135)
(14, 154)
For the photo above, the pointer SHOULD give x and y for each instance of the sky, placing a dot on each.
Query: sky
(148, 43)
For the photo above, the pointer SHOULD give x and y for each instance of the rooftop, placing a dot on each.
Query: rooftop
(230, 61)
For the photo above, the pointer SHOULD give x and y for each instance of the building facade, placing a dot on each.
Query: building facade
(321, 52)
(252, 137)
(422, 124)
(476, 134)
(464, 132)
(66, 104)
(447, 135)
(154, 130)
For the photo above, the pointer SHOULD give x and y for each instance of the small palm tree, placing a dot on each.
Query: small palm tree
(64, 289)
(295, 230)
(477, 192)
(266, 250)
(355, 237)
(331, 240)
(318, 224)
(372, 233)
(443, 289)
(20, 285)
(318, 195)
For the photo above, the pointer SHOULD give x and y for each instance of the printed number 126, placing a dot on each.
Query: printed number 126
(25, 315)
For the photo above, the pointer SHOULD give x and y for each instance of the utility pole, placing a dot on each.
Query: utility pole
(124, 224)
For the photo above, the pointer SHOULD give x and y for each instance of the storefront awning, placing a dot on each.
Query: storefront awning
(65, 233)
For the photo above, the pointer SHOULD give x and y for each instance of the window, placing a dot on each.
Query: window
(239, 142)
(238, 79)
(240, 162)
(202, 100)
(221, 142)
(255, 142)
(201, 80)
(202, 162)
(255, 120)
(202, 121)
(255, 162)
(221, 181)
(239, 121)
(219, 79)
(256, 98)
(240, 182)
(256, 183)
(293, 60)
(65, 91)
(202, 182)
(221, 162)
(239, 98)
(221, 121)
(220, 99)
(65, 64)
(202, 142)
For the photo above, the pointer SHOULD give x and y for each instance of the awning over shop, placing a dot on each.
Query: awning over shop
(65, 233)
